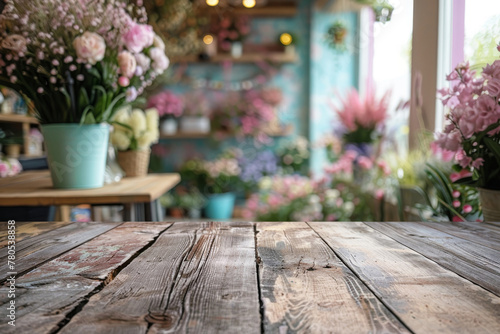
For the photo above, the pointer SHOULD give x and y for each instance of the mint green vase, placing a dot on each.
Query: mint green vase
(76, 154)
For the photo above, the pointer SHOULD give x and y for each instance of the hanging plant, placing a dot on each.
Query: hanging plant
(381, 8)
(336, 35)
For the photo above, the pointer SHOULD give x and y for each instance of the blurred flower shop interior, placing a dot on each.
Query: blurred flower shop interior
(277, 110)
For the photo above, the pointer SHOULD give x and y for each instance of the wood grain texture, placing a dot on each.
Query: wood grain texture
(52, 291)
(99, 257)
(28, 229)
(22, 189)
(424, 295)
(34, 251)
(477, 263)
(306, 289)
(40, 307)
(484, 234)
(196, 277)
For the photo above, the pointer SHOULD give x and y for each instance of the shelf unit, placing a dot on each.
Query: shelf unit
(284, 131)
(275, 57)
(25, 122)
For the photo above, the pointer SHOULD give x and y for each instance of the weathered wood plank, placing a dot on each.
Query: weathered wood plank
(197, 277)
(424, 295)
(45, 304)
(473, 261)
(99, 257)
(484, 234)
(34, 251)
(28, 229)
(306, 289)
(48, 294)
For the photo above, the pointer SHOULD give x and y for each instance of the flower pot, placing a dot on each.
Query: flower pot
(134, 163)
(76, 154)
(220, 206)
(236, 49)
(13, 150)
(490, 200)
(169, 126)
(195, 124)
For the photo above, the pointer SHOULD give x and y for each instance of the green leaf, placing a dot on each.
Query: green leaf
(89, 119)
(95, 72)
(494, 147)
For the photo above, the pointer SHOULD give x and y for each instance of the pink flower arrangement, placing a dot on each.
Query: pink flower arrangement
(243, 115)
(472, 130)
(231, 29)
(167, 103)
(9, 167)
(361, 117)
(78, 61)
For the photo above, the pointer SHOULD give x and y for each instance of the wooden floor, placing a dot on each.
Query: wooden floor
(239, 277)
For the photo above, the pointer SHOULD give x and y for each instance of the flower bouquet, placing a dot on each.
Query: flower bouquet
(243, 115)
(472, 130)
(230, 30)
(77, 61)
(134, 132)
(9, 167)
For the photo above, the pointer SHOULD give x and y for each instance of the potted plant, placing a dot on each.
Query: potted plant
(11, 142)
(472, 131)
(195, 118)
(170, 107)
(192, 201)
(231, 31)
(218, 180)
(77, 63)
(134, 133)
(336, 34)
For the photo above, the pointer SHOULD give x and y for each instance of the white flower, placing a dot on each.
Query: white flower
(160, 60)
(148, 138)
(120, 140)
(143, 61)
(265, 183)
(138, 122)
(158, 43)
(332, 193)
(90, 47)
(152, 118)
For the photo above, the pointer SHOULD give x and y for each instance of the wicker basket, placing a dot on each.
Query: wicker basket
(134, 163)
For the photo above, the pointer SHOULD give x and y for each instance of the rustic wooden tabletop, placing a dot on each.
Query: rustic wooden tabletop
(342, 277)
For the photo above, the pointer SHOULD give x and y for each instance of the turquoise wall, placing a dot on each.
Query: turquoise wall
(306, 84)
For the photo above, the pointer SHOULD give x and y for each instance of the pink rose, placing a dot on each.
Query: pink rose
(123, 81)
(127, 64)
(90, 47)
(16, 43)
(138, 37)
(365, 162)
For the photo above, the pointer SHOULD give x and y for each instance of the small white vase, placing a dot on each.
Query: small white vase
(195, 124)
(169, 126)
(236, 49)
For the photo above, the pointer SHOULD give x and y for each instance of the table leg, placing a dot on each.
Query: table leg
(160, 212)
(129, 212)
(150, 213)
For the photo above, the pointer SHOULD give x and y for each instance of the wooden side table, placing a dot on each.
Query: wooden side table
(138, 195)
